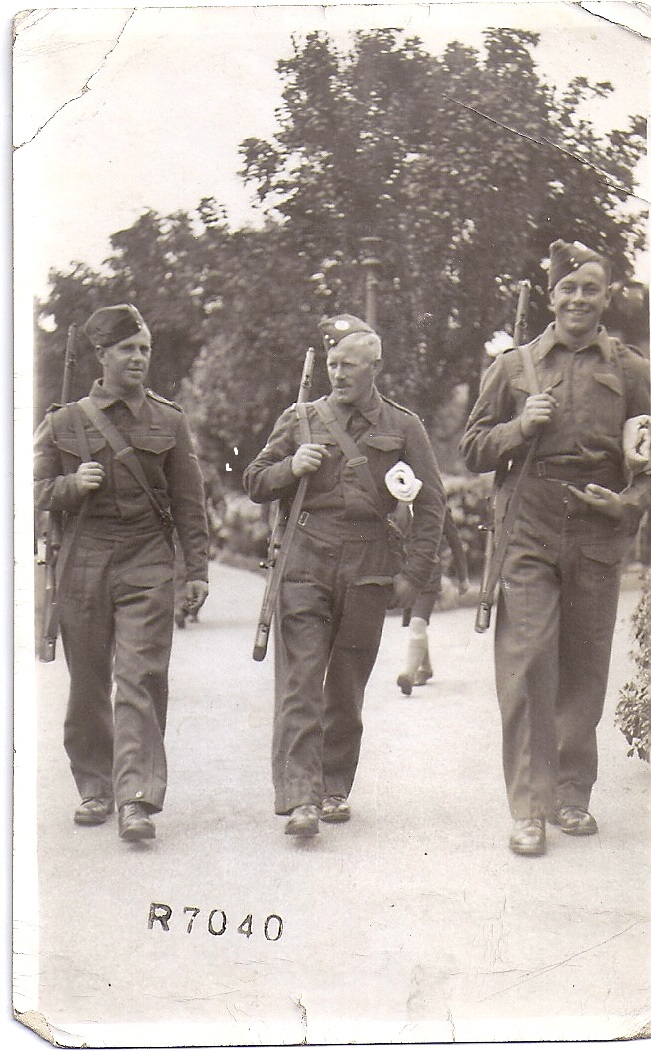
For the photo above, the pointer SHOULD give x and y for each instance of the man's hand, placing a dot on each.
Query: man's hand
(308, 458)
(537, 412)
(89, 476)
(404, 593)
(196, 593)
(601, 499)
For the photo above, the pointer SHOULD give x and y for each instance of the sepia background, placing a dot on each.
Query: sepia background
(238, 172)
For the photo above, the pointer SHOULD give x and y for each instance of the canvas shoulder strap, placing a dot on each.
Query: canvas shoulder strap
(354, 456)
(126, 456)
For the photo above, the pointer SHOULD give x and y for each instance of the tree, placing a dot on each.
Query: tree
(466, 166)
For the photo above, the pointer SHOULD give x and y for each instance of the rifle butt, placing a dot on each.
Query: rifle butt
(483, 617)
(261, 640)
(47, 649)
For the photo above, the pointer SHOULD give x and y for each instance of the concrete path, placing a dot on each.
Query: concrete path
(413, 923)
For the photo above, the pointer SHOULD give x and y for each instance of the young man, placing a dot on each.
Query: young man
(341, 573)
(574, 523)
(116, 568)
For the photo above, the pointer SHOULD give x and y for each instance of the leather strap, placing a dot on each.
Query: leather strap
(354, 456)
(126, 456)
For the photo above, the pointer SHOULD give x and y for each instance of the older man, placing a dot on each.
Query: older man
(342, 572)
(573, 525)
(120, 465)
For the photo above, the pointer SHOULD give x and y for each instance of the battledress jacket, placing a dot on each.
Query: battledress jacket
(158, 432)
(596, 389)
(389, 434)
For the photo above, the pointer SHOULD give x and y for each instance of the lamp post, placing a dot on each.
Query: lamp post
(369, 247)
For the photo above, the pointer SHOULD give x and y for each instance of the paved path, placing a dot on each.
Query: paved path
(412, 923)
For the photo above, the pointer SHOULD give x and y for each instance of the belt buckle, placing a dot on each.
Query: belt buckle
(540, 469)
(303, 517)
(357, 461)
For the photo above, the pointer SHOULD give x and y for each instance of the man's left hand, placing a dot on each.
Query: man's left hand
(404, 592)
(604, 500)
(196, 593)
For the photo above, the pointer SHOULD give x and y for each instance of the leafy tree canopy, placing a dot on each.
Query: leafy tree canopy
(465, 165)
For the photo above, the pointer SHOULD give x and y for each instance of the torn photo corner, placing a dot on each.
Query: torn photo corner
(237, 174)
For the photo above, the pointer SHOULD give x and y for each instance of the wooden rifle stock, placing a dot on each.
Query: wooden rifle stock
(54, 525)
(279, 553)
(487, 590)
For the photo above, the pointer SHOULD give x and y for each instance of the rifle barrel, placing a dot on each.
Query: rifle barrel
(279, 556)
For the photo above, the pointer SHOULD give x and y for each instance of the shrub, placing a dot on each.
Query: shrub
(633, 712)
(468, 499)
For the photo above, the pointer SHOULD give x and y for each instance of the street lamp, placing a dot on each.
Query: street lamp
(369, 251)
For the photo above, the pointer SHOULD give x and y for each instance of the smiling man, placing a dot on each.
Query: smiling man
(577, 514)
(341, 572)
(121, 467)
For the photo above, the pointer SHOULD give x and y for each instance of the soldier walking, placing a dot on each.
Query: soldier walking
(573, 525)
(341, 573)
(121, 466)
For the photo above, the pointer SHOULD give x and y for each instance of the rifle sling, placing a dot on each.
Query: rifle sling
(512, 509)
(126, 456)
(354, 456)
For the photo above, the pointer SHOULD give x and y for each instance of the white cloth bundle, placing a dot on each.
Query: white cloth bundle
(637, 443)
(402, 483)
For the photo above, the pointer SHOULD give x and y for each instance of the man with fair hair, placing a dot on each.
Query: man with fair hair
(342, 572)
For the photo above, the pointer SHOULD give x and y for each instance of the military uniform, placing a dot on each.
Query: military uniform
(117, 615)
(560, 577)
(337, 584)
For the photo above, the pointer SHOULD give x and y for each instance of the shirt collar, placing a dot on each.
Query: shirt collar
(549, 339)
(134, 404)
(369, 409)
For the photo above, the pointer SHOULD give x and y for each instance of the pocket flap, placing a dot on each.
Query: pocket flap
(607, 553)
(68, 443)
(153, 443)
(150, 576)
(519, 382)
(608, 379)
(385, 442)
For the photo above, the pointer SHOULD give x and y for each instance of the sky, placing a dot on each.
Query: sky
(118, 110)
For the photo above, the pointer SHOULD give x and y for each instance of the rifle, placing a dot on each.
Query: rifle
(54, 527)
(488, 581)
(279, 546)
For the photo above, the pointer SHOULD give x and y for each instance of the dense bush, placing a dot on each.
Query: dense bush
(468, 500)
(633, 712)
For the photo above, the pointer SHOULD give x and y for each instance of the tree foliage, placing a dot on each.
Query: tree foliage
(466, 165)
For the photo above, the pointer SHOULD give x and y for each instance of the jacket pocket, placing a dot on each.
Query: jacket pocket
(608, 379)
(607, 552)
(68, 443)
(152, 443)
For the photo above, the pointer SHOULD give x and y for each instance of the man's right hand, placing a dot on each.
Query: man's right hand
(538, 411)
(89, 476)
(308, 458)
